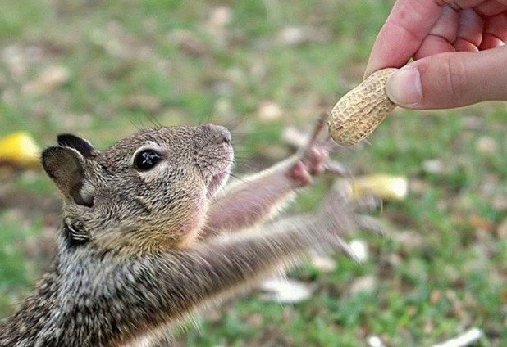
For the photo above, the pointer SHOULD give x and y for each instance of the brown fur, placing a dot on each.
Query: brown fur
(129, 261)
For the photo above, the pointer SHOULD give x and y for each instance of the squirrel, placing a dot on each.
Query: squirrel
(141, 245)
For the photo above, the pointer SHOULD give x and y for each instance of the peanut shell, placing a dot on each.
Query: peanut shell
(359, 112)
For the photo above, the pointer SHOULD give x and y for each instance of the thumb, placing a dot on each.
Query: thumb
(450, 80)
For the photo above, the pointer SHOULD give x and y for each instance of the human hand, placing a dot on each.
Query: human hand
(458, 48)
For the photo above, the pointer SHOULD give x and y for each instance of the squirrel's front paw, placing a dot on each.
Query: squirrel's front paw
(312, 163)
(313, 158)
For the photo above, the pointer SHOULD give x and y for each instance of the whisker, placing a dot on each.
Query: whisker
(236, 177)
(154, 121)
(136, 122)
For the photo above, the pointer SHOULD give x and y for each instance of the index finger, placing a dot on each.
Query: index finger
(402, 34)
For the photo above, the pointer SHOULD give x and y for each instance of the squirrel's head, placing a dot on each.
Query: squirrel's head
(147, 191)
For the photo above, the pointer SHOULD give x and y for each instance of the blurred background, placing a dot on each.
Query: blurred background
(104, 69)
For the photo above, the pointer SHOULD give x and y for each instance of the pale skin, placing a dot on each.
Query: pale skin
(458, 48)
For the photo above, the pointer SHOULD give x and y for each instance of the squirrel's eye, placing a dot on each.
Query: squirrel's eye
(146, 159)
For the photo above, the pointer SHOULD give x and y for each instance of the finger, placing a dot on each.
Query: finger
(469, 35)
(492, 7)
(495, 32)
(490, 41)
(442, 36)
(402, 34)
(451, 80)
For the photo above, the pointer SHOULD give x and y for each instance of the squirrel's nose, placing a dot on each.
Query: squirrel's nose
(219, 133)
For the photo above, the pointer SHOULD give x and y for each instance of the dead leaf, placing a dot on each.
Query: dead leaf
(433, 166)
(285, 290)
(269, 111)
(481, 223)
(188, 43)
(502, 230)
(359, 249)
(486, 145)
(299, 35)
(323, 263)
(48, 80)
(365, 284)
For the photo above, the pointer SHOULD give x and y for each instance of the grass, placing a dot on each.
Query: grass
(134, 63)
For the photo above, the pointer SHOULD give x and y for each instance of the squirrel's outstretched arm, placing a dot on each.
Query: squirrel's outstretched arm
(168, 287)
(253, 199)
(115, 299)
(258, 197)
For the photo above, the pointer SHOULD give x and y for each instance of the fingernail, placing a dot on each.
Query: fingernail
(404, 87)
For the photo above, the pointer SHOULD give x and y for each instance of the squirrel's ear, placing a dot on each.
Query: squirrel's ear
(78, 143)
(65, 166)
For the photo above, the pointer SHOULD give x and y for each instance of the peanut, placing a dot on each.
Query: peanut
(359, 112)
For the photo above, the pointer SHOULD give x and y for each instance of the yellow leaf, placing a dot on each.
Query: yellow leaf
(19, 149)
(384, 186)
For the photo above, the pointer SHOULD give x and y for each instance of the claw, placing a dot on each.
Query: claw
(367, 203)
(339, 210)
(314, 139)
(371, 224)
(300, 174)
(337, 169)
(312, 157)
(318, 130)
(347, 249)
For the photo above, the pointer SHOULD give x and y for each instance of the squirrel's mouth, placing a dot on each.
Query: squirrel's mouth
(218, 176)
(217, 182)
(215, 161)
